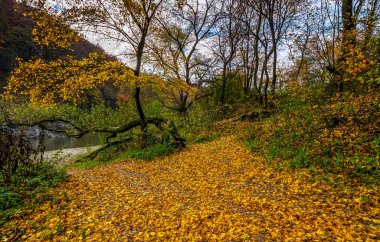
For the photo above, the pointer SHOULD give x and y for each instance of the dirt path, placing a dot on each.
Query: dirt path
(214, 191)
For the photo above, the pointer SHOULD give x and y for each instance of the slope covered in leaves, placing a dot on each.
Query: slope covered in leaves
(207, 192)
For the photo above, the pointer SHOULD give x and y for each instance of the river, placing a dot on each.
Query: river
(64, 142)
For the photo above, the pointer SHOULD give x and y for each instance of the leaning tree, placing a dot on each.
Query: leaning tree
(67, 78)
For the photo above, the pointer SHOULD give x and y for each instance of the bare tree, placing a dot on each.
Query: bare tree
(186, 25)
(279, 15)
(298, 41)
(250, 46)
(226, 42)
(266, 23)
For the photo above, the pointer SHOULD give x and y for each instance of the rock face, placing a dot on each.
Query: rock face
(32, 132)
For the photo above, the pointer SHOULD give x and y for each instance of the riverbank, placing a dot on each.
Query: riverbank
(66, 155)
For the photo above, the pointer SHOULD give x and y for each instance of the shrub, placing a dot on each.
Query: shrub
(14, 151)
(23, 174)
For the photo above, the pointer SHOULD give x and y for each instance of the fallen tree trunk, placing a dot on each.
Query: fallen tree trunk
(71, 130)
(256, 115)
(167, 127)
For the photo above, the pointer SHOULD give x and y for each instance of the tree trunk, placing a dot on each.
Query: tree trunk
(274, 70)
(256, 53)
(349, 26)
(224, 83)
(247, 68)
(274, 45)
(182, 103)
(348, 38)
(183, 96)
(261, 82)
(266, 87)
(140, 110)
(370, 24)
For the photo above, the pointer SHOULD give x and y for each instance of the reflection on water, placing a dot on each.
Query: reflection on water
(63, 142)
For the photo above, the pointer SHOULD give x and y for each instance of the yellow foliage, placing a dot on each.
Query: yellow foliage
(68, 79)
(216, 191)
(51, 32)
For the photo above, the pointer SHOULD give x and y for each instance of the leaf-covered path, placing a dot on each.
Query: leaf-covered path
(215, 191)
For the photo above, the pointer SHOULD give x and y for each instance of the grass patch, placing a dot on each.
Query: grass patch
(85, 164)
(157, 150)
(200, 139)
(25, 178)
(112, 156)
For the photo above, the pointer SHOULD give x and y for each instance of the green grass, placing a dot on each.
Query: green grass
(157, 150)
(200, 139)
(85, 164)
(111, 156)
(95, 116)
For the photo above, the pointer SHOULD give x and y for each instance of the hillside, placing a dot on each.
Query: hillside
(16, 40)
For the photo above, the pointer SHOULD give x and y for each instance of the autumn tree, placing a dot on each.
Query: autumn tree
(15, 37)
(339, 32)
(359, 19)
(67, 78)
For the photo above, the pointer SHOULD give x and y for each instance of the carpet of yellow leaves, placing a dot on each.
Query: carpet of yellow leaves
(215, 191)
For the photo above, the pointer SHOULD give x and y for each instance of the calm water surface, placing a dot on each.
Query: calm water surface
(58, 143)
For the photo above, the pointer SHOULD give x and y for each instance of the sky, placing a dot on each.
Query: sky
(111, 47)
(117, 49)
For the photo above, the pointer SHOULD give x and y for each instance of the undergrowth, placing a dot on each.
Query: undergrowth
(338, 136)
(25, 178)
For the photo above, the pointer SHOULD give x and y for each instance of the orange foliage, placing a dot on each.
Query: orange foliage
(216, 191)
(355, 63)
